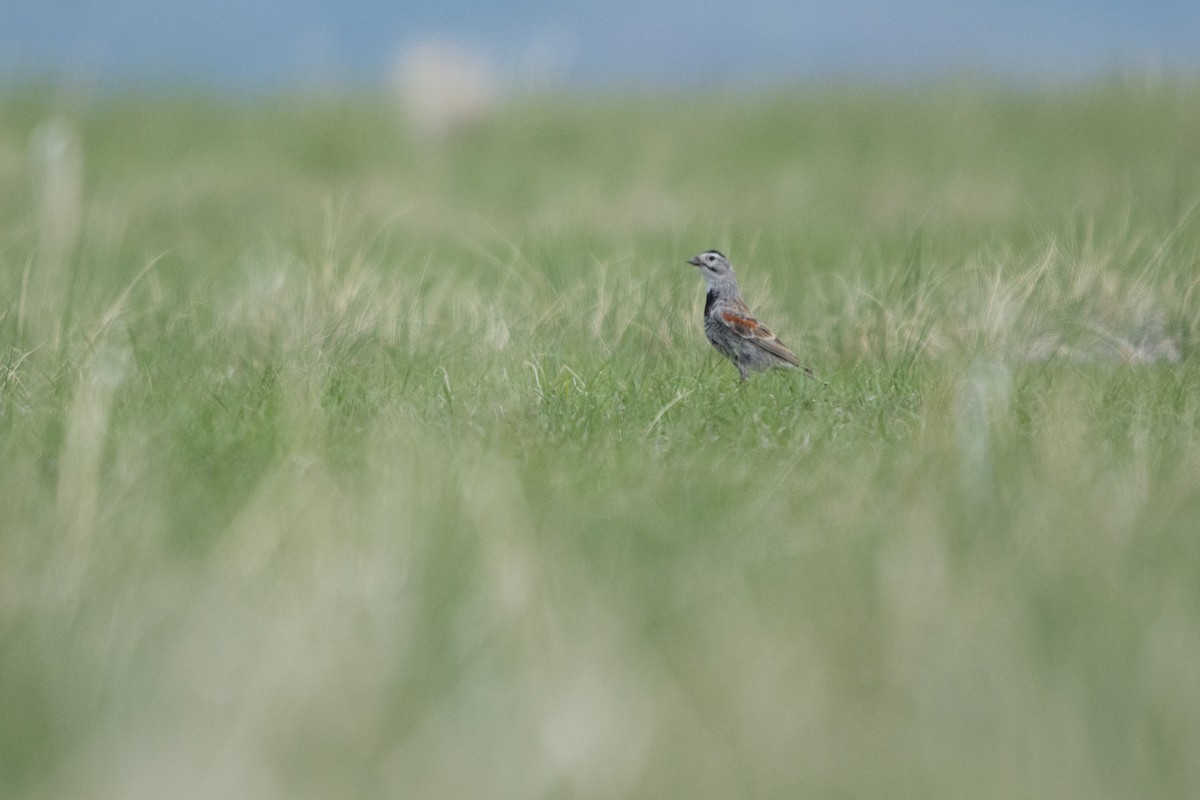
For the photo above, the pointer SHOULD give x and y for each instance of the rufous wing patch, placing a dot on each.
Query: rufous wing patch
(747, 326)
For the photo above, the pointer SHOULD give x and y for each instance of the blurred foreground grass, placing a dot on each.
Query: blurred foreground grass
(339, 462)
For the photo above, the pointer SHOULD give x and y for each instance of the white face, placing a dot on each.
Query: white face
(712, 265)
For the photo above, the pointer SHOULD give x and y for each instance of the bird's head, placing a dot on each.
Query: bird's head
(714, 266)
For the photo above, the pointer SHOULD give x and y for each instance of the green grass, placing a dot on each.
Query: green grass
(340, 463)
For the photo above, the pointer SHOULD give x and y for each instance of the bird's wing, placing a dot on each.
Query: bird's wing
(744, 325)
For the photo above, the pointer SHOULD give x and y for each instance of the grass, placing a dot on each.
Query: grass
(342, 463)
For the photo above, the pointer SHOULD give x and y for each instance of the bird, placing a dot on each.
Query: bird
(730, 326)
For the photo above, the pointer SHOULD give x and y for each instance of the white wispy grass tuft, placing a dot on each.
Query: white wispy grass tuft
(1021, 308)
(79, 488)
(982, 400)
(56, 167)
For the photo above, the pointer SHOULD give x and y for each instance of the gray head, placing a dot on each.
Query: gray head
(716, 269)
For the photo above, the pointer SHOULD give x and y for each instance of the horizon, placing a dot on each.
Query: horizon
(224, 46)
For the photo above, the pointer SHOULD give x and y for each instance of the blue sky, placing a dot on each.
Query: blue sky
(262, 43)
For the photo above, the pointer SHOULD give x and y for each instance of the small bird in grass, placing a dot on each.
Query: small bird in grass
(731, 327)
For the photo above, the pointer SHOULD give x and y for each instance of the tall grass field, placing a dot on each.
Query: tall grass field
(342, 457)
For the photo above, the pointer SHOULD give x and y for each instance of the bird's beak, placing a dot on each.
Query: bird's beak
(695, 261)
